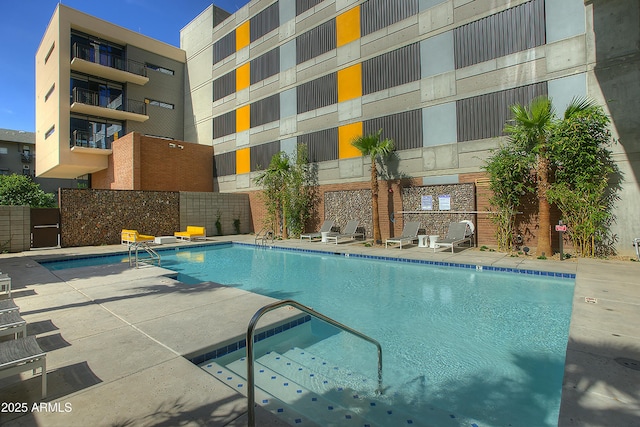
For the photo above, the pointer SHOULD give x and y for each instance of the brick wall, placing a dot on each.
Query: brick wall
(140, 162)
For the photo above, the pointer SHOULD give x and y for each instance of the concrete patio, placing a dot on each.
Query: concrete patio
(116, 339)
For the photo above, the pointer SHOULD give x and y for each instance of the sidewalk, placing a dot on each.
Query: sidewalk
(115, 338)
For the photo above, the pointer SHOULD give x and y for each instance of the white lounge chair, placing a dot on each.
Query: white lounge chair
(23, 354)
(409, 234)
(456, 235)
(7, 305)
(326, 227)
(348, 233)
(12, 324)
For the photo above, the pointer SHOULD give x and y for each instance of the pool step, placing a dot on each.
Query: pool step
(262, 398)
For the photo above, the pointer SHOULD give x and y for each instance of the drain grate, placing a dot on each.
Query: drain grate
(629, 363)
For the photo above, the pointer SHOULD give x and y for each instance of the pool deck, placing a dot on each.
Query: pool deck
(115, 338)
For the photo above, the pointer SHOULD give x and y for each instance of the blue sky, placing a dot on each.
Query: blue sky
(25, 21)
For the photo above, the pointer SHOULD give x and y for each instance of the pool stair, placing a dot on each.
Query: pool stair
(303, 389)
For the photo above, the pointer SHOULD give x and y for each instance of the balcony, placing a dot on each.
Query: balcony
(26, 157)
(89, 61)
(84, 101)
(90, 142)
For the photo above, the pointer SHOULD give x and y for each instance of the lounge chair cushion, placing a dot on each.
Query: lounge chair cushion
(192, 232)
(132, 236)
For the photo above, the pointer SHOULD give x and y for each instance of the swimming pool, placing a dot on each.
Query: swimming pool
(484, 344)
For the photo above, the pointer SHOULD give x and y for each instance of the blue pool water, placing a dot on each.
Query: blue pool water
(488, 345)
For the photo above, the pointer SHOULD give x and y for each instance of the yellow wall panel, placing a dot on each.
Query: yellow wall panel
(350, 83)
(243, 119)
(243, 37)
(243, 164)
(243, 76)
(346, 134)
(348, 26)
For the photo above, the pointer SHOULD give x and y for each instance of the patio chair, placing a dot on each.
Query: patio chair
(409, 234)
(191, 233)
(456, 235)
(5, 285)
(11, 323)
(7, 305)
(132, 236)
(21, 355)
(327, 225)
(350, 232)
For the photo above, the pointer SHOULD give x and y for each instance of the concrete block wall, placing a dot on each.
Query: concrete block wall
(203, 209)
(15, 228)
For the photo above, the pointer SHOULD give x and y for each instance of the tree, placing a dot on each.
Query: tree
(582, 190)
(20, 190)
(377, 149)
(288, 191)
(530, 132)
(509, 176)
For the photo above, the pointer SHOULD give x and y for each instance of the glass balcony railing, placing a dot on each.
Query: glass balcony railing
(89, 97)
(91, 140)
(91, 54)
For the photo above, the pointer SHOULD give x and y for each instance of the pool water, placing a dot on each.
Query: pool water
(488, 345)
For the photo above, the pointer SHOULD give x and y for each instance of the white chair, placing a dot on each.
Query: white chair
(21, 355)
(456, 235)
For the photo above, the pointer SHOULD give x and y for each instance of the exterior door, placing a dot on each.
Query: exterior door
(45, 228)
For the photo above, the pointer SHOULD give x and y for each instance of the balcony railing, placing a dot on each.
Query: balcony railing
(90, 140)
(26, 157)
(89, 97)
(90, 54)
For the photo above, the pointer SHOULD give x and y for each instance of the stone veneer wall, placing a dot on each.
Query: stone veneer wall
(92, 217)
(342, 206)
(436, 221)
(15, 228)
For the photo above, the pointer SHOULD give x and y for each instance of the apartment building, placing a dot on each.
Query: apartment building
(17, 156)
(437, 76)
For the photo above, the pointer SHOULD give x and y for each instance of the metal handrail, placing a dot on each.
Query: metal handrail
(250, 355)
(152, 253)
(268, 235)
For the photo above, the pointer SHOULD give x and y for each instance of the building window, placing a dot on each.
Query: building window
(266, 110)
(391, 69)
(3, 150)
(378, 14)
(224, 86)
(49, 132)
(484, 116)
(264, 22)
(513, 30)
(46, 58)
(160, 104)
(224, 124)
(224, 47)
(261, 155)
(321, 145)
(224, 164)
(405, 129)
(93, 133)
(304, 5)
(49, 92)
(160, 69)
(265, 66)
(316, 41)
(317, 93)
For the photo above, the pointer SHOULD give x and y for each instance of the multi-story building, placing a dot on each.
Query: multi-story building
(437, 76)
(17, 154)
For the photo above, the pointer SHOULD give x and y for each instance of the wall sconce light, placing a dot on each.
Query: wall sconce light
(181, 147)
(172, 145)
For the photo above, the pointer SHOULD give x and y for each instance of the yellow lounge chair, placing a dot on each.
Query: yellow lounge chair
(132, 236)
(192, 232)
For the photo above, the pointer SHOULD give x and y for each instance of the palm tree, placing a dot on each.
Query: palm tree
(376, 149)
(531, 130)
(275, 180)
